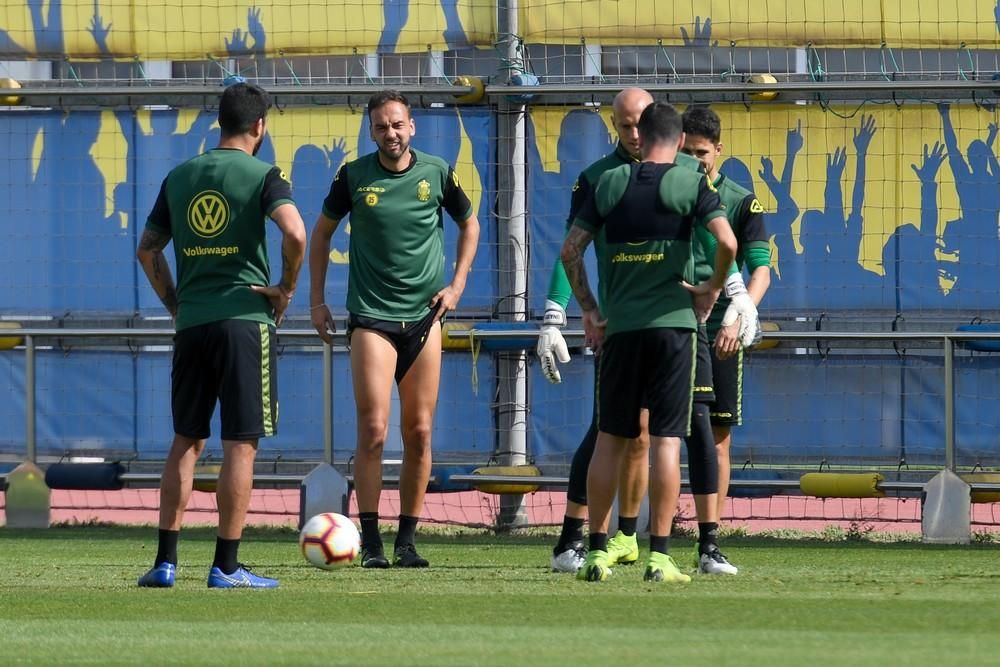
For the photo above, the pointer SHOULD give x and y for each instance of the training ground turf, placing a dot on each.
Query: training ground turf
(69, 596)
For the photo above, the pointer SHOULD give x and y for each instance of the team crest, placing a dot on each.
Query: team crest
(423, 190)
(371, 198)
(208, 214)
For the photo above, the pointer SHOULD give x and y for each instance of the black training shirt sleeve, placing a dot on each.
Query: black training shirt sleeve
(581, 191)
(750, 215)
(454, 200)
(338, 202)
(276, 191)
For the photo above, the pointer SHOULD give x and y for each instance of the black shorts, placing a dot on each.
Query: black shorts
(727, 377)
(651, 368)
(407, 337)
(703, 385)
(232, 362)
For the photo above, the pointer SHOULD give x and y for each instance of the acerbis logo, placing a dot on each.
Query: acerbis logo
(208, 214)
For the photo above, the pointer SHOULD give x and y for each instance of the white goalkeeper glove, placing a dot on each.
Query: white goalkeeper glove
(741, 307)
(551, 344)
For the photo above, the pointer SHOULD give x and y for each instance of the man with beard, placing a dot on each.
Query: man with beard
(396, 298)
(213, 207)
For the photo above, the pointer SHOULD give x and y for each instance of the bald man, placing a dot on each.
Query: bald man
(569, 552)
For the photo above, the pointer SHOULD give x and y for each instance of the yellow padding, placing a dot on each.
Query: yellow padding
(841, 485)
(986, 478)
(478, 89)
(10, 342)
(768, 344)
(10, 84)
(449, 343)
(207, 469)
(510, 471)
(764, 95)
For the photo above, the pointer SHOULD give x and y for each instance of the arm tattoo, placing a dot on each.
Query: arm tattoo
(576, 243)
(153, 240)
(288, 273)
(158, 270)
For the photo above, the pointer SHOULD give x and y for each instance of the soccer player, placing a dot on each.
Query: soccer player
(569, 551)
(732, 324)
(641, 217)
(214, 208)
(396, 298)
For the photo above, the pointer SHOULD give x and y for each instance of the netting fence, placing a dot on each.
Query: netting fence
(868, 132)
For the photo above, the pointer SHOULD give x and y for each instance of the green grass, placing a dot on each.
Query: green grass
(68, 596)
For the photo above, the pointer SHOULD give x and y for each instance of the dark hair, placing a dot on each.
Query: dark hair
(383, 97)
(659, 123)
(701, 121)
(242, 105)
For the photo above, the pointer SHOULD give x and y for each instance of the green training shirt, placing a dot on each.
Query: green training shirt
(559, 289)
(214, 208)
(746, 216)
(642, 216)
(397, 234)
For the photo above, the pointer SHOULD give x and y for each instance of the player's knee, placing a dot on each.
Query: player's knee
(638, 448)
(372, 434)
(418, 437)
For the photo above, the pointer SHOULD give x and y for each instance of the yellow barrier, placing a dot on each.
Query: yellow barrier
(841, 485)
(449, 343)
(768, 344)
(986, 478)
(207, 486)
(10, 342)
(506, 487)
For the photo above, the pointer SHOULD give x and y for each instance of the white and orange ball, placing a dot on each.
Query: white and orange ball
(329, 541)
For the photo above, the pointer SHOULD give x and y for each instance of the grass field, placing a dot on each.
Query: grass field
(68, 596)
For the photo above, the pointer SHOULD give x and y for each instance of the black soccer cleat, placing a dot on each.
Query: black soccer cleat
(374, 557)
(406, 556)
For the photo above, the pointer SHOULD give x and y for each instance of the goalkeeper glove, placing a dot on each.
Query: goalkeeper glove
(741, 307)
(551, 344)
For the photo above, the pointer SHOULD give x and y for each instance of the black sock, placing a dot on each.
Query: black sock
(708, 532)
(369, 530)
(598, 541)
(627, 524)
(166, 550)
(572, 531)
(660, 543)
(407, 530)
(225, 555)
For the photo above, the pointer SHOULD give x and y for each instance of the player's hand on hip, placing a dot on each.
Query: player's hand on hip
(278, 297)
(703, 298)
(445, 301)
(593, 329)
(323, 323)
(551, 344)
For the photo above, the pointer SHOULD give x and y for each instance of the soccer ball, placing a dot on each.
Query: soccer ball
(329, 541)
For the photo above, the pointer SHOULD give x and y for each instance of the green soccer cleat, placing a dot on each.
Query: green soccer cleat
(622, 549)
(595, 567)
(662, 567)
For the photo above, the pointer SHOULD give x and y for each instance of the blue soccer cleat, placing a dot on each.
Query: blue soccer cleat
(161, 576)
(241, 578)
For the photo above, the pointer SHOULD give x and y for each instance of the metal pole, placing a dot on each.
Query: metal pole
(949, 403)
(29, 399)
(328, 403)
(512, 379)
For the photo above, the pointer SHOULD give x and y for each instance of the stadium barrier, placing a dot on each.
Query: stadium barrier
(501, 481)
